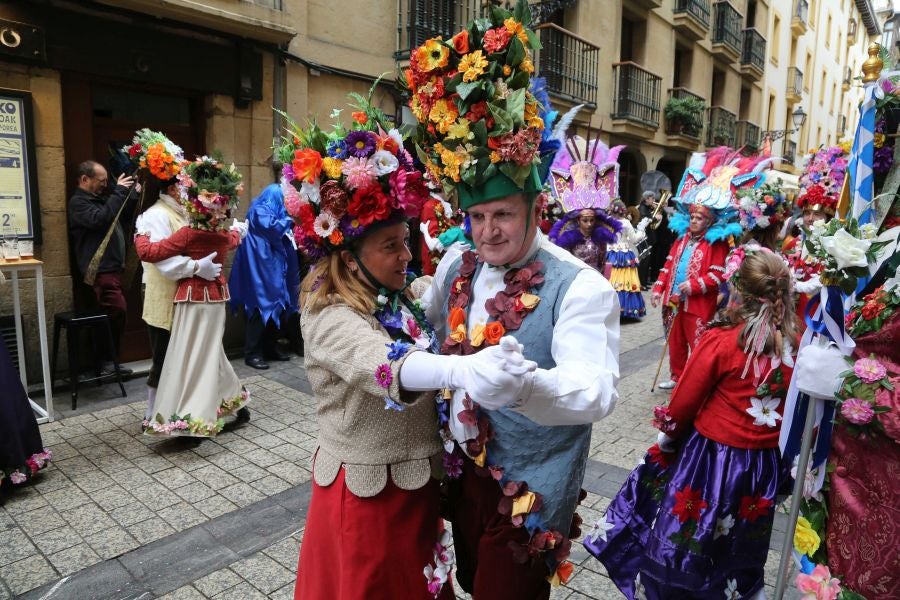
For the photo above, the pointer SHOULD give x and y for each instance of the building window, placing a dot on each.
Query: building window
(828, 32)
(776, 40)
(273, 4)
(808, 71)
(822, 87)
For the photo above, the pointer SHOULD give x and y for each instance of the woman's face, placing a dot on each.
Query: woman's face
(586, 223)
(385, 253)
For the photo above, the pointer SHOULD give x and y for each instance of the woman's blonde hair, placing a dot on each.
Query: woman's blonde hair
(329, 281)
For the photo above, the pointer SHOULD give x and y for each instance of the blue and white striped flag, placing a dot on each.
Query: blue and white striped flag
(862, 156)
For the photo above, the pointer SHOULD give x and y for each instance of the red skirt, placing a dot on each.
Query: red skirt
(369, 548)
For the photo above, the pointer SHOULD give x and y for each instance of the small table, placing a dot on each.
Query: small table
(14, 267)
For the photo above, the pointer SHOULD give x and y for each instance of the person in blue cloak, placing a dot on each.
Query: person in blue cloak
(265, 277)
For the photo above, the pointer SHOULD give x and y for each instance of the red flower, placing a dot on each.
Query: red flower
(370, 204)
(870, 310)
(495, 39)
(479, 111)
(307, 165)
(658, 457)
(461, 42)
(688, 504)
(306, 216)
(134, 150)
(360, 117)
(754, 507)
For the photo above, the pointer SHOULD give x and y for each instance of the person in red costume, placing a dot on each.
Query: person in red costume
(689, 283)
(436, 213)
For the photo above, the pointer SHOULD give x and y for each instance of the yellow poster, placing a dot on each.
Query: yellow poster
(14, 200)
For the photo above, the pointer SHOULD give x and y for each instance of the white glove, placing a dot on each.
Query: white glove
(206, 268)
(817, 368)
(432, 242)
(240, 226)
(810, 287)
(643, 224)
(665, 443)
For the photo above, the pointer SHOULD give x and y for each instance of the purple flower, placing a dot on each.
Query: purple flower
(883, 159)
(350, 226)
(869, 370)
(17, 477)
(857, 411)
(383, 375)
(287, 171)
(397, 350)
(452, 464)
(360, 144)
(391, 404)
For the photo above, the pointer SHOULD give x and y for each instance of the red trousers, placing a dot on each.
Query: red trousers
(481, 538)
(369, 548)
(111, 300)
(682, 339)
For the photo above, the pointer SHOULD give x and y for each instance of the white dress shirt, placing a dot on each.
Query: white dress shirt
(156, 223)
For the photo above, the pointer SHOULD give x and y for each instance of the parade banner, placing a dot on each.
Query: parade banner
(19, 206)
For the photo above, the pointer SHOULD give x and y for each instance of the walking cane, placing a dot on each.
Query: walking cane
(90, 274)
(659, 366)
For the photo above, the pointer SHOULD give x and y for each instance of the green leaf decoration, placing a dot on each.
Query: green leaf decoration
(479, 128)
(465, 90)
(503, 122)
(515, 106)
(515, 54)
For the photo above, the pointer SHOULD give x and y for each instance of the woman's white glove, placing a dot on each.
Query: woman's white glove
(493, 378)
(817, 368)
(206, 268)
(665, 443)
(433, 243)
(240, 226)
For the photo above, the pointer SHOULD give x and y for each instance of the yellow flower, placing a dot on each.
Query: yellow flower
(432, 55)
(879, 140)
(531, 116)
(479, 460)
(452, 162)
(526, 65)
(507, 70)
(515, 28)
(478, 335)
(418, 109)
(472, 65)
(523, 504)
(443, 114)
(806, 540)
(332, 167)
(529, 301)
(460, 130)
(846, 146)
(495, 156)
(458, 334)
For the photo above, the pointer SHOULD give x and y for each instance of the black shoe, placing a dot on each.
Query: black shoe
(256, 362)
(277, 353)
(109, 368)
(243, 415)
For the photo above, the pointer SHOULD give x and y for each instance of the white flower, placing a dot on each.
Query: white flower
(598, 531)
(395, 135)
(868, 231)
(384, 162)
(748, 203)
(731, 591)
(818, 228)
(723, 526)
(762, 221)
(809, 482)
(324, 224)
(847, 250)
(763, 411)
(381, 300)
(310, 191)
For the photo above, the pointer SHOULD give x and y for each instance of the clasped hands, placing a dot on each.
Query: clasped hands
(494, 377)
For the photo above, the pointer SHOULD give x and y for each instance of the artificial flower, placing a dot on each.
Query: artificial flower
(731, 590)
(495, 39)
(754, 507)
(493, 331)
(870, 370)
(360, 143)
(763, 411)
(723, 526)
(460, 130)
(871, 310)
(857, 411)
(360, 117)
(310, 191)
(337, 149)
(435, 577)
(443, 114)
(477, 335)
(663, 420)
(383, 375)
(688, 504)
(17, 477)
(307, 164)
(333, 198)
(847, 250)
(526, 65)
(332, 167)
(359, 172)
(460, 42)
(397, 349)
(433, 54)
(384, 162)
(452, 464)
(324, 224)
(818, 585)
(658, 457)
(370, 204)
(516, 28)
(472, 66)
(806, 540)
(599, 529)
(408, 190)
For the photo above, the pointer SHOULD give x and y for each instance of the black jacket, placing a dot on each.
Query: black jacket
(90, 216)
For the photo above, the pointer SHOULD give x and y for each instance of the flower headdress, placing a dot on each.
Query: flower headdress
(710, 185)
(339, 184)
(822, 179)
(482, 129)
(153, 151)
(209, 191)
(760, 207)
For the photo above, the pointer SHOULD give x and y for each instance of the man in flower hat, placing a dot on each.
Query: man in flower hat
(516, 467)
(688, 284)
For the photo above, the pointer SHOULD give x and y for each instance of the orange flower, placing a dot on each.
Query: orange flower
(493, 332)
(456, 318)
(461, 42)
(307, 164)
(360, 117)
(336, 238)
(515, 28)
(386, 142)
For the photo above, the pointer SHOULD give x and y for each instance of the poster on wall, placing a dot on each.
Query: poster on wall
(19, 206)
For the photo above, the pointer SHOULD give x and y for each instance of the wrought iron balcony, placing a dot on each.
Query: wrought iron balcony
(421, 20)
(569, 64)
(747, 135)
(722, 127)
(788, 152)
(848, 78)
(636, 96)
(691, 17)
(727, 29)
(800, 17)
(753, 56)
(794, 85)
(852, 26)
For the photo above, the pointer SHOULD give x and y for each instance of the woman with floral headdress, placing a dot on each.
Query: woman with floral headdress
(373, 527)
(694, 519)
(198, 387)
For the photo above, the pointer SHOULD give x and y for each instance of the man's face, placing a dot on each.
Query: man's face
(500, 228)
(811, 216)
(699, 223)
(97, 183)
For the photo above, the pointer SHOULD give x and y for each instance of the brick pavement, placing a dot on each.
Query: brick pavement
(121, 515)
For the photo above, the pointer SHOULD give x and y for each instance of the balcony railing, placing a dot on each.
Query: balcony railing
(851, 29)
(722, 126)
(747, 135)
(801, 10)
(681, 92)
(699, 9)
(754, 52)
(569, 64)
(273, 4)
(727, 27)
(789, 152)
(794, 82)
(421, 20)
(842, 125)
(848, 77)
(636, 95)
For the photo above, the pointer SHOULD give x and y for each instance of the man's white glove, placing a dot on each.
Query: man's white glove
(665, 443)
(240, 226)
(432, 242)
(206, 268)
(810, 287)
(817, 368)
(643, 224)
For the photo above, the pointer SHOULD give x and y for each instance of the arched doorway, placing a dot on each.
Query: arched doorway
(631, 166)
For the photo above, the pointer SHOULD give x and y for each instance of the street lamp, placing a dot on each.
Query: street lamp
(798, 117)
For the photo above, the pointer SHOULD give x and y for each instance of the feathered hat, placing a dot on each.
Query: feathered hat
(710, 185)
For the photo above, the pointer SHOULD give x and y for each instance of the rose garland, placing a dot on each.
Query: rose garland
(508, 309)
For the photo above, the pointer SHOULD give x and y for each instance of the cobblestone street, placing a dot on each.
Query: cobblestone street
(122, 515)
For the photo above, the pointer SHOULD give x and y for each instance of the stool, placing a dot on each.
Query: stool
(74, 322)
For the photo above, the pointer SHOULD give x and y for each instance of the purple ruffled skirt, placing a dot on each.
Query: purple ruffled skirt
(693, 524)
